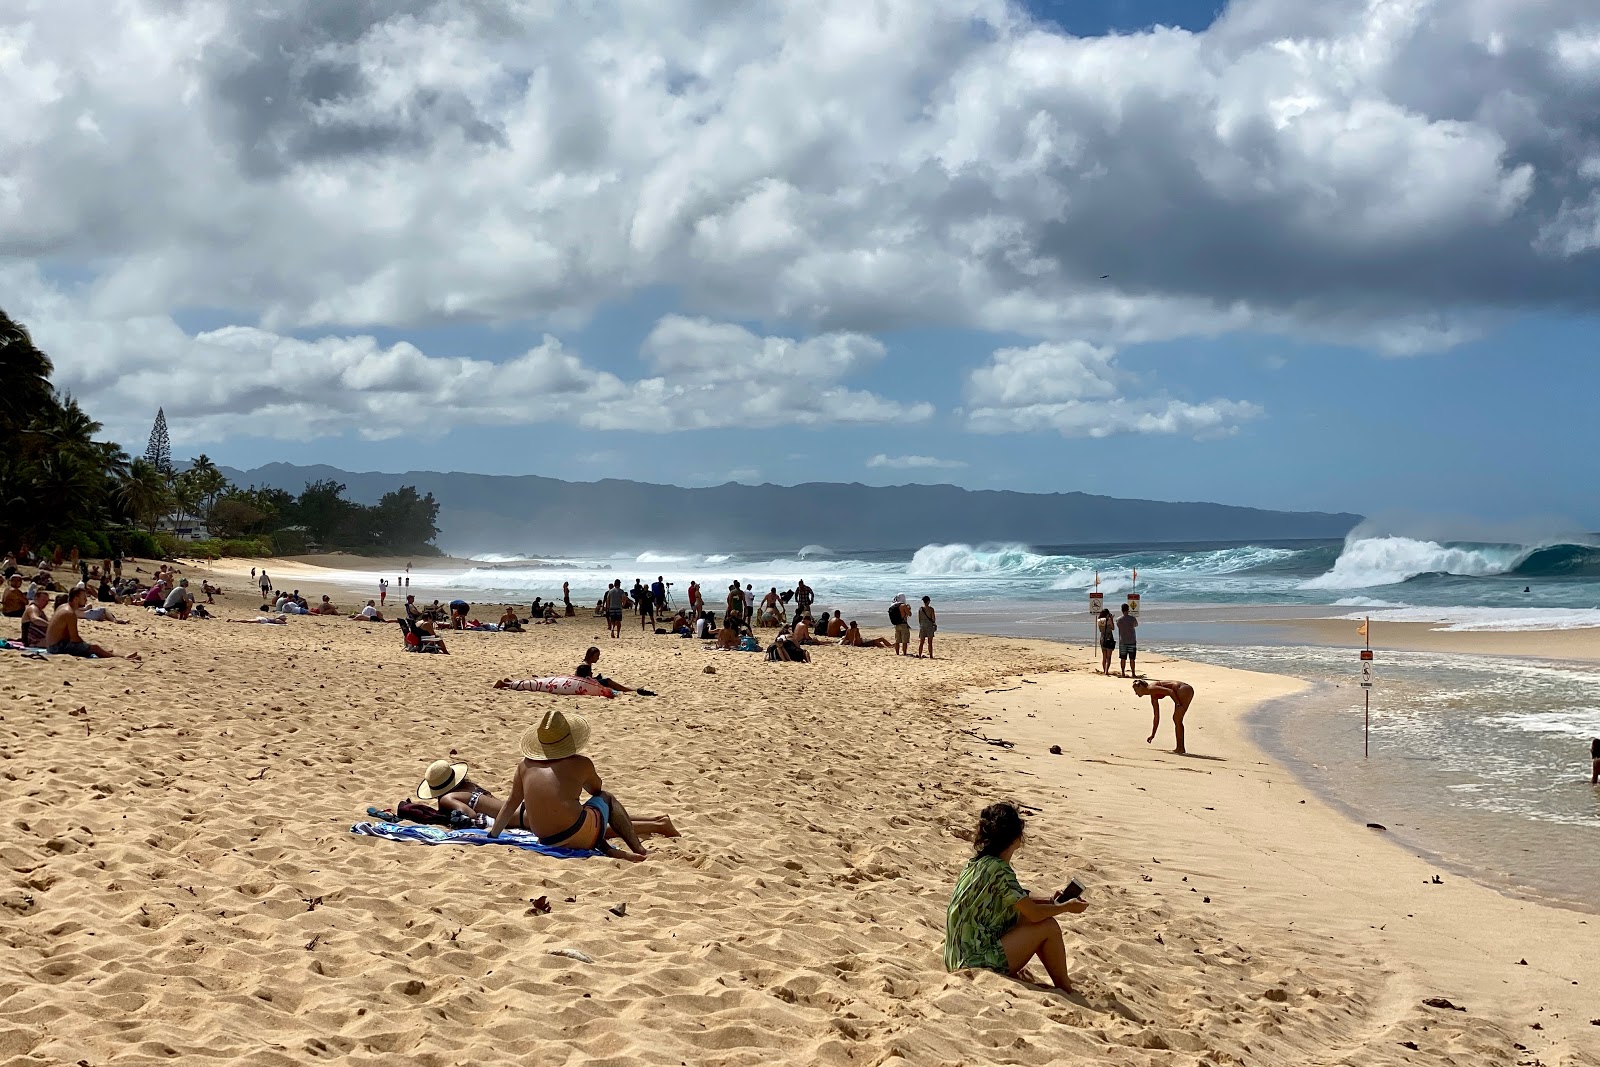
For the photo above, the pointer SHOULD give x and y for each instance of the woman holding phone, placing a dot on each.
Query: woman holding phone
(994, 923)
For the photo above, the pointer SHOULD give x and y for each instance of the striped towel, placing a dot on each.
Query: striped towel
(438, 835)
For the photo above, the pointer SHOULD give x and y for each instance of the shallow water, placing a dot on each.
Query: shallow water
(1481, 761)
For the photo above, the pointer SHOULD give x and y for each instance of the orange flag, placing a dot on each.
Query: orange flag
(1361, 631)
(1136, 576)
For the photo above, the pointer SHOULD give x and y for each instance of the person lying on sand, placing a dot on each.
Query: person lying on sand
(547, 794)
(264, 620)
(370, 613)
(1182, 694)
(103, 614)
(992, 922)
(853, 638)
(62, 639)
(448, 784)
(586, 670)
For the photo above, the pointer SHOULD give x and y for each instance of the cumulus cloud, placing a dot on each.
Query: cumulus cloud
(1299, 167)
(911, 463)
(244, 379)
(1076, 389)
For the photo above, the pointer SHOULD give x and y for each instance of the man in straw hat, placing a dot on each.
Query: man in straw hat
(547, 794)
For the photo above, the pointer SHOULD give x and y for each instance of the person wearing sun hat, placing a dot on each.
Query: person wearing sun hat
(448, 784)
(547, 794)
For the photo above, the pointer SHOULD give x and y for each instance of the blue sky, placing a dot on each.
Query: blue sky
(1289, 258)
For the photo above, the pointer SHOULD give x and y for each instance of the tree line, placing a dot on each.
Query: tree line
(61, 487)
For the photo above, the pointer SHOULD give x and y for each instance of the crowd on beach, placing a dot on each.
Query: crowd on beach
(556, 797)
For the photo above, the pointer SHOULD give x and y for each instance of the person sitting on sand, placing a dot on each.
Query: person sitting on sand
(509, 623)
(547, 794)
(62, 638)
(853, 639)
(14, 601)
(586, 670)
(992, 922)
(727, 638)
(836, 625)
(180, 601)
(36, 619)
(369, 613)
(326, 607)
(447, 784)
(786, 649)
(1182, 694)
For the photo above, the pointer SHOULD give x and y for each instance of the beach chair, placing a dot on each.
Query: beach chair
(419, 642)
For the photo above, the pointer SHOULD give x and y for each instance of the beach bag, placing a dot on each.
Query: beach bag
(894, 614)
(411, 811)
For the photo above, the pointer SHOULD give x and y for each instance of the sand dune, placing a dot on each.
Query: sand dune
(179, 883)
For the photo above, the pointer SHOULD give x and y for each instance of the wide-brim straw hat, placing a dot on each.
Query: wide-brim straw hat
(559, 734)
(441, 777)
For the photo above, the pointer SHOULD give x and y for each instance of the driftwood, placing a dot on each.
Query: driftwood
(998, 742)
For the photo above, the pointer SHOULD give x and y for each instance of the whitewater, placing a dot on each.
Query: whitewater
(1453, 584)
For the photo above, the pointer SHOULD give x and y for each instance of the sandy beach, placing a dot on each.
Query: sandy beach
(180, 882)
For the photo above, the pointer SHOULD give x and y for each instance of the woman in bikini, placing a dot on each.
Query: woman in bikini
(853, 639)
(448, 784)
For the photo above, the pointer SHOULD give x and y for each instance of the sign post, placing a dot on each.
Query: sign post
(1366, 693)
(1096, 602)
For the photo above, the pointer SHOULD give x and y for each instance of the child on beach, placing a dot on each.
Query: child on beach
(992, 922)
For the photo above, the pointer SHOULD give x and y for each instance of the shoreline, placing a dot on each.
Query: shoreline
(1294, 859)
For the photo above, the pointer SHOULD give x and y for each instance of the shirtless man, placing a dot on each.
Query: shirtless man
(547, 789)
(15, 600)
(1182, 694)
(61, 639)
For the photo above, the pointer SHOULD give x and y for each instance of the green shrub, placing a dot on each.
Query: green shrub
(138, 543)
(288, 543)
(253, 548)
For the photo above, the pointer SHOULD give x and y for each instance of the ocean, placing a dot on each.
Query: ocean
(1481, 761)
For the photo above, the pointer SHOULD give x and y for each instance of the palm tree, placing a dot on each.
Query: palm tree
(144, 493)
(209, 483)
(26, 371)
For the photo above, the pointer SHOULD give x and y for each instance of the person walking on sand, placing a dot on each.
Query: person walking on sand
(265, 584)
(616, 602)
(1108, 639)
(900, 619)
(1182, 694)
(927, 625)
(992, 922)
(1127, 643)
(547, 789)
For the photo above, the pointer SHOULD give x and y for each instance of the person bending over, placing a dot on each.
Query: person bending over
(547, 794)
(1182, 694)
(62, 639)
(992, 922)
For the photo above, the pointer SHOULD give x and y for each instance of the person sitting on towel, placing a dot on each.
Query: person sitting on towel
(547, 794)
(586, 670)
(509, 623)
(62, 638)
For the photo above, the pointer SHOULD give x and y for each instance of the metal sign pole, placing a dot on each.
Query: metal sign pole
(1366, 688)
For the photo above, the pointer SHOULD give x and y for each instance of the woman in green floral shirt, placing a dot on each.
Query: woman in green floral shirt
(993, 922)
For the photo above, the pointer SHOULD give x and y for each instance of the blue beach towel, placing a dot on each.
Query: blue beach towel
(438, 835)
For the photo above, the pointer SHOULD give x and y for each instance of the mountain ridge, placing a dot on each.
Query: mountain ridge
(534, 514)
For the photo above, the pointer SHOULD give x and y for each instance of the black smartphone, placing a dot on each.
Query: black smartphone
(1073, 891)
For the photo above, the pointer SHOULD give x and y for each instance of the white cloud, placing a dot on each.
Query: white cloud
(1076, 389)
(247, 380)
(1319, 169)
(909, 463)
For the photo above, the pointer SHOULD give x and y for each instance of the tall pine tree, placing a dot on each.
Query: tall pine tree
(159, 451)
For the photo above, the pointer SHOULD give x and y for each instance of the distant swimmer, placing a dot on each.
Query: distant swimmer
(1594, 754)
(1527, 589)
(1182, 694)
